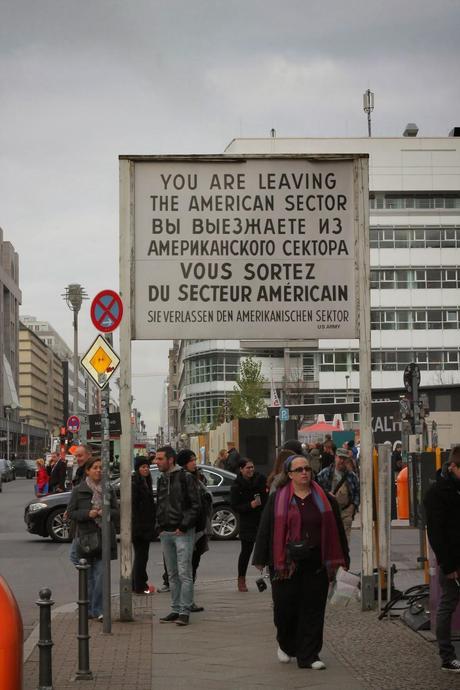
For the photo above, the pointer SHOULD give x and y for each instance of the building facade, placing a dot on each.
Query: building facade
(414, 185)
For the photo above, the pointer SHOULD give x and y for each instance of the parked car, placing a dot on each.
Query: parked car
(6, 470)
(24, 467)
(224, 520)
(45, 516)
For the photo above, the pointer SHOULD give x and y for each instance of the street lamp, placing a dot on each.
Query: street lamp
(74, 295)
(368, 107)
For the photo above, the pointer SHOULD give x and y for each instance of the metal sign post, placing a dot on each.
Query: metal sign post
(106, 518)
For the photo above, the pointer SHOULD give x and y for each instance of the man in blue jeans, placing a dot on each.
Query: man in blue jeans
(178, 505)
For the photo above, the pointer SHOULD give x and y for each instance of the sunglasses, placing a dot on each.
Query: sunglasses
(301, 469)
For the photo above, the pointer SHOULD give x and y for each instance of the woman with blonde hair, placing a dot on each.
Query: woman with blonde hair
(41, 482)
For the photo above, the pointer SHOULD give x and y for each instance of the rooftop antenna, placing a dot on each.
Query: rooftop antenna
(368, 107)
(273, 133)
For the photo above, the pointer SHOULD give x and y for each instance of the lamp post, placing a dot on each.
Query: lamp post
(7, 415)
(368, 107)
(74, 295)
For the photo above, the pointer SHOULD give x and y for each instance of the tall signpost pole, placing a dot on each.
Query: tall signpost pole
(106, 526)
(361, 177)
(126, 259)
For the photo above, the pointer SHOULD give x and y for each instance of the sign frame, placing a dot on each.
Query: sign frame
(100, 378)
(360, 200)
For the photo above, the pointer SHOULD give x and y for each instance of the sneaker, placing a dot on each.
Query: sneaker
(196, 609)
(282, 656)
(182, 619)
(163, 588)
(100, 618)
(318, 665)
(452, 666)
(170, 618)
(150, 589)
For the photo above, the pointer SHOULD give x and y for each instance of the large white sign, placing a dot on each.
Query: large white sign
(244, 248)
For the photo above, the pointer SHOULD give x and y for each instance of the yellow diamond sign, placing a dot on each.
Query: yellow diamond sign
(100, 361)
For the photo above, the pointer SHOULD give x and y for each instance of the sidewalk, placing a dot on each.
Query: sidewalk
(231, 646)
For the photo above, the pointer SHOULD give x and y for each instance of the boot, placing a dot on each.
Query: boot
(242, 584)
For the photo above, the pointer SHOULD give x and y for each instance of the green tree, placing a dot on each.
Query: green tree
(248, 397)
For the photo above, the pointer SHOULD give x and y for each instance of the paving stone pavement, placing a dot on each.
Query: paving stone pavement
(231, 646)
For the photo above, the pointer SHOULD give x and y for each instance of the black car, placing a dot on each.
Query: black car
(45, 516)
(6, 470)
(224, 520)
(24, 468)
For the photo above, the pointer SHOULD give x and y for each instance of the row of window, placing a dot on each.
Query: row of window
(414, 238)
(418, 319)
(215, 367)
(391, 360)
(381, 200)
(203, 409)
(414, 278)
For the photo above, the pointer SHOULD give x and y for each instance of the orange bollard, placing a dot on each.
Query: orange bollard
(11, 639)
(402, 494)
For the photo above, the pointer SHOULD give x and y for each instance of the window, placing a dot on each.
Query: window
(212, 479)
(451, 360)
(420, 319)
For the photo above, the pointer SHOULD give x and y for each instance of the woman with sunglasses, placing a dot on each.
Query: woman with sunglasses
(302, 540)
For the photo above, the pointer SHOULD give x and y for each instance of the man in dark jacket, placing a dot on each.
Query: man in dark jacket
(178, 506)
(233, 458)
(248, 496)
(82, 454)
(57, 471)
(442, 505)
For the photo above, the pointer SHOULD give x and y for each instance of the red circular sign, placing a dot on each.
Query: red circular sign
(106, 311)
(73, 423)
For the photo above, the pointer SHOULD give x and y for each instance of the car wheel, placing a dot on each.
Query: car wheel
(57, 527)
(224, 523)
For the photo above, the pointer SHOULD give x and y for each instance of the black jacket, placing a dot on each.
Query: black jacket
(232, 462)
(78, 510)
(57, 475)
(242, 493)
(442, 506)
(263, 550)
(143, 509)
(178, 502)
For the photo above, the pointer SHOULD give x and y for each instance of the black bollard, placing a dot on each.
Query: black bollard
(83, 671)
(45, 643)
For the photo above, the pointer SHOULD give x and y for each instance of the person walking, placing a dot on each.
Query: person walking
(442, 505)
(302, 540)
(143, 514)
(57, 471)
(344, 485)
(85, 508)
(41, 481)
(177, 511)
(187, 459)
(248, 496)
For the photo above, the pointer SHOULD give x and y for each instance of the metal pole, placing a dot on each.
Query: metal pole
(83, 672)
(361, 205)
(7, 412)
(75, 361)
(282, 422)
(45, 643)
(126, 291)
(369, 123)
(106, 526)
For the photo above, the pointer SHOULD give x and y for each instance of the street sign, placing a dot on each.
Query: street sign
(283, 414)
(106, 311)
(405, 408)
(73, 424)
(100, 361)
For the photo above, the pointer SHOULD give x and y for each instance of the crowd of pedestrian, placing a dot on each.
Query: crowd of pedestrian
(295, 523)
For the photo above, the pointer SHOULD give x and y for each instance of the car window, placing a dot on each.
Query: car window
(212, 478)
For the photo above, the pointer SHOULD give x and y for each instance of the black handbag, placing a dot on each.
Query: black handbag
(301, 550)
(90, 544)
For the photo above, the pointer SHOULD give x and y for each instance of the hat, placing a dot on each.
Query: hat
(342, 453)
(140, 460)
(184, 457)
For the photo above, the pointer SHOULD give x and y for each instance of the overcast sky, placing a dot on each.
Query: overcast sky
(84, 81)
